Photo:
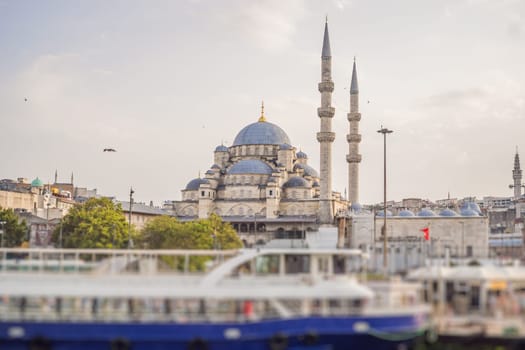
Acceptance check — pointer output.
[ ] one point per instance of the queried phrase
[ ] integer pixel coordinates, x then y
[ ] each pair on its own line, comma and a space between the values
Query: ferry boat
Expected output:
248, 299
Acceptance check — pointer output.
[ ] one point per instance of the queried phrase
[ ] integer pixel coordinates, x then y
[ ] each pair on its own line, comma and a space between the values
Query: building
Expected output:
264, 185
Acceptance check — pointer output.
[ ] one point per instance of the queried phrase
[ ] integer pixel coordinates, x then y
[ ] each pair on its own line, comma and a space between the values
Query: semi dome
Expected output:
426, 212
316, 184
250, 166
285, 147
37, 183
221, 148
301, 155
195, 184
468, 212
447, 212
210, 172
296, 181
261, 133
406, 213
471, 206
308, 170
216, 166
380, 213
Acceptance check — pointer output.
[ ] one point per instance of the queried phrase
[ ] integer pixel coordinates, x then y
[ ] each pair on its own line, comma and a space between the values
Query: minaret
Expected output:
354, 138
71, 177
56, 176
516, 175
326, 136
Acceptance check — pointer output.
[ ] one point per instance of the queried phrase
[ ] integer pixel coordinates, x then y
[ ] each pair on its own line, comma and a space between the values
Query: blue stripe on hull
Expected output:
334, 332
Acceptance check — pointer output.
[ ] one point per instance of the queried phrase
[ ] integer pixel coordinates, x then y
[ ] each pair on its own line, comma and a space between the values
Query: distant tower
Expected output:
354, 138
516, 175
326, 136
71, 177
56, 176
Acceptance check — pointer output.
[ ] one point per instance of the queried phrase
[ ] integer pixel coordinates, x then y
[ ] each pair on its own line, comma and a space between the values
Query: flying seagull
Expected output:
109, 150
25, 99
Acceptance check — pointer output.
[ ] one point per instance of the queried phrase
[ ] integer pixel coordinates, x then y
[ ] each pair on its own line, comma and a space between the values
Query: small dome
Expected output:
250, 166
195, 184
296, 181
471, 206
380, 213
216, 166
301, 155
261, 133
37, 183
468, 212
308, 170
426, 212
316, 184
210, 172
285, 147
447, 212
405, 213
356, 207
221, 148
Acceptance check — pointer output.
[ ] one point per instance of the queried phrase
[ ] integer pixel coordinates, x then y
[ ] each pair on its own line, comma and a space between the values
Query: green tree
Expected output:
166, 232
97, 223
14, 232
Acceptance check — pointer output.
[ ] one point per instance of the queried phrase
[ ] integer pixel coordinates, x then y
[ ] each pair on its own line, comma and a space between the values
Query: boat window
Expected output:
339, 264
297, 264
267, 264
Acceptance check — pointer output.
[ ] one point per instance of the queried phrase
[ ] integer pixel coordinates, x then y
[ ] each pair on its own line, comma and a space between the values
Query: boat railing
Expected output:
169, 310
111, 260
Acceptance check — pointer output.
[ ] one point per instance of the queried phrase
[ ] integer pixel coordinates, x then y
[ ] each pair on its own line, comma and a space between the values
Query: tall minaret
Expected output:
326, 136
516, 175
354, 138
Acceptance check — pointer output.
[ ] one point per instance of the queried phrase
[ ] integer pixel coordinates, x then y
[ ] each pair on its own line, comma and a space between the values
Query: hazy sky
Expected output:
165, 82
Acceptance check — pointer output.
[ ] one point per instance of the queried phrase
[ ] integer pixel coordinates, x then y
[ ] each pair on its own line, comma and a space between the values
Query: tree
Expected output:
97, 223
166, 232
14, 232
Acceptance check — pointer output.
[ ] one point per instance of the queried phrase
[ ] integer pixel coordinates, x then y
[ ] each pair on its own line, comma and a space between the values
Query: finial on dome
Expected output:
262, 118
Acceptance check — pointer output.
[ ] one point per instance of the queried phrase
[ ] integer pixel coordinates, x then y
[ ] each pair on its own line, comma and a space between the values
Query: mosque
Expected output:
264, 186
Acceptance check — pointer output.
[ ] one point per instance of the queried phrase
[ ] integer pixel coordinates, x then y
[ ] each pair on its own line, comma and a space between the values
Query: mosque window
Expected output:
242, 194
305, 194
251, 179
242, 179
294, 194
271, 193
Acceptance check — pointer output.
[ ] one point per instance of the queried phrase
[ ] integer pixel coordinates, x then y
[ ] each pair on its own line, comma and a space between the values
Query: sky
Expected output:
165, 82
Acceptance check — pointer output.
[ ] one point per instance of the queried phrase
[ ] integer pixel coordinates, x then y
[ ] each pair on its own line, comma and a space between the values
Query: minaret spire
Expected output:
354, 138
516, 176
56, 176
326, 136
262, 118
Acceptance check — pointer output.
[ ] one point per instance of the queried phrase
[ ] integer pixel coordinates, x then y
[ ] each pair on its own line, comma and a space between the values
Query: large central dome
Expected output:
261, 133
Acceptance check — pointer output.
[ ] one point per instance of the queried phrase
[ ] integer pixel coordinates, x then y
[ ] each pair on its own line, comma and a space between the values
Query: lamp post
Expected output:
384, 131
2, 233
130, 241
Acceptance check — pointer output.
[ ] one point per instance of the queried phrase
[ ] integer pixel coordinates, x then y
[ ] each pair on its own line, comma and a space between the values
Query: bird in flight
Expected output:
25, 99
109, 150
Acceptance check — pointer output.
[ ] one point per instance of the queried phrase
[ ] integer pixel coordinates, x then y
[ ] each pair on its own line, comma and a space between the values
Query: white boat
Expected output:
247, 299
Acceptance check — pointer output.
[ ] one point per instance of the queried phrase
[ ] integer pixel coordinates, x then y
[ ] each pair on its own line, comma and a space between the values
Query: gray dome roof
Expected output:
210, 172
447, 212
471, 206
285, 146
426, 212
308, 170
316, 184
468, 212
301, 154
356, 207
405, 213
261, 133
380, 213
216, 166
250, 166
296, 181
195, 184
221, 148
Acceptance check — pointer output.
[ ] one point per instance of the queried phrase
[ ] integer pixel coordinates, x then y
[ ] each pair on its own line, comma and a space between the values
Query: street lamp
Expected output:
384, 131
2, 233
130, 241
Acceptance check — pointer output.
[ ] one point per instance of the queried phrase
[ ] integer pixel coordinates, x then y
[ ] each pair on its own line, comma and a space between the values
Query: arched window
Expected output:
241, 211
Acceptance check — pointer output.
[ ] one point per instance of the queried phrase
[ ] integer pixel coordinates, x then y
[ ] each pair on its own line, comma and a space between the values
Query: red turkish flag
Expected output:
426, 231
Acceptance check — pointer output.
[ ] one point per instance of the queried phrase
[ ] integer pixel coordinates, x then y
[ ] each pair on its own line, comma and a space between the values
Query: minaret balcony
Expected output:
353, 138
353, 117
326, 86
353, 158
326, 136
326, 112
